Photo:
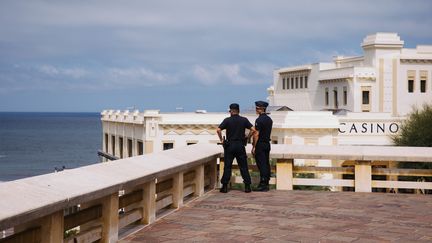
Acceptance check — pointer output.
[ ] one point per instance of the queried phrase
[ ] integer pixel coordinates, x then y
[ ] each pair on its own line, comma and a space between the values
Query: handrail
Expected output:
28, 204
107, 155
29, 198
385, 153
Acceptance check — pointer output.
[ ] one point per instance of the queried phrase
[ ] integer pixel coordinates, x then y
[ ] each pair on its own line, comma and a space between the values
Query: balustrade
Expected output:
103, 201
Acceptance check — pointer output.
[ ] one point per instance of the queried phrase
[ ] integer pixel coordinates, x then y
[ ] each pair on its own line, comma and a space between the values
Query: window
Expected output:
423, 86
306, 82
167, 146
345, 95
365, 97
411, 76
410, 86
283, 83
106, 142
292, 83
121, 147
129, 146
287, 83
335, 98
113, 145
191, 143
326, 96
296, 83
423, 81
301, 82
140, 148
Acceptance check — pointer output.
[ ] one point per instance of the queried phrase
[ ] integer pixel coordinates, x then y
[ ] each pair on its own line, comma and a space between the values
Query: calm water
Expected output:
36, 143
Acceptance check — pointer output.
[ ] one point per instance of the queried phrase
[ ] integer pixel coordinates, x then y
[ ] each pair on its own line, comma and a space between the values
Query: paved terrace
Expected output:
295, 216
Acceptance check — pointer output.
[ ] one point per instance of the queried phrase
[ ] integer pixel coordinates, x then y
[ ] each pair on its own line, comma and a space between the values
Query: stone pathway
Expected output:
295, 216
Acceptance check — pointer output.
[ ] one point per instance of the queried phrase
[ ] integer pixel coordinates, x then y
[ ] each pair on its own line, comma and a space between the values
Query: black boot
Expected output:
263, 186
260, 185
248, 188
224, 188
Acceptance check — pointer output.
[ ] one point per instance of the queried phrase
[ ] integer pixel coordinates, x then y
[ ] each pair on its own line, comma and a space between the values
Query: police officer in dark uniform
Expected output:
261, 144
234, 146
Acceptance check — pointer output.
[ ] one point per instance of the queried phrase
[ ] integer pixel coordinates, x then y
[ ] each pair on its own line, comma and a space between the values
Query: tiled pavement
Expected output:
295, 216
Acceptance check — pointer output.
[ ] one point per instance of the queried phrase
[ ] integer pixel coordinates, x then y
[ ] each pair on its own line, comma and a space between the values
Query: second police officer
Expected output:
261, 144
234, 146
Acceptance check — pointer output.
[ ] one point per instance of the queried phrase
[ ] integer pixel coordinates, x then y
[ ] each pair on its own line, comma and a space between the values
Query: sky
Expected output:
87, 56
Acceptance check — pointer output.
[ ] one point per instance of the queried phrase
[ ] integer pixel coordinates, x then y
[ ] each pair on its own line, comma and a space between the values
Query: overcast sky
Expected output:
196, 54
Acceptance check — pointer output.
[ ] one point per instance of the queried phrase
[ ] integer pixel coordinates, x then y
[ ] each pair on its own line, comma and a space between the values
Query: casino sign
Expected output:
369, 127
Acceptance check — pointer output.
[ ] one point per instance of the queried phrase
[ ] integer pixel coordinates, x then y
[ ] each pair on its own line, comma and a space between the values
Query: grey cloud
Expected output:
130, 77
103, 44
54, 78
66, 72
237, 74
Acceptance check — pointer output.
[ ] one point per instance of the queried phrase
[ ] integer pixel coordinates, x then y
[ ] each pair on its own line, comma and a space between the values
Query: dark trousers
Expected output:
262, 157
235, 150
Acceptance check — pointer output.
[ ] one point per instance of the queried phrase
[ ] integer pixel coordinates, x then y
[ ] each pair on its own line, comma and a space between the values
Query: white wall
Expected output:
407, 100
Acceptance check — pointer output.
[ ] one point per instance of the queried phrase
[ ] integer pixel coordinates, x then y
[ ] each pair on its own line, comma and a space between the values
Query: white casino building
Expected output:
386, 79
351, 101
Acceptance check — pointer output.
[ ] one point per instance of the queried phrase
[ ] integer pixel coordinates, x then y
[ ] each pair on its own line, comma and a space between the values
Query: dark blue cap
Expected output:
262, 104
234, 106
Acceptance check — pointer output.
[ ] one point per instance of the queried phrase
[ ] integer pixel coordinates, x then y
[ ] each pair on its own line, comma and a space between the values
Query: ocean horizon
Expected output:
36, 143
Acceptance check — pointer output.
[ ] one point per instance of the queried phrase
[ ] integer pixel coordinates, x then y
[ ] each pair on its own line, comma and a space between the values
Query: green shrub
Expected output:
416, 131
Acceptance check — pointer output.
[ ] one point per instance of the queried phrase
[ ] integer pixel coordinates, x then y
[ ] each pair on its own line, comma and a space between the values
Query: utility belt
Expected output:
261, 141
231, 141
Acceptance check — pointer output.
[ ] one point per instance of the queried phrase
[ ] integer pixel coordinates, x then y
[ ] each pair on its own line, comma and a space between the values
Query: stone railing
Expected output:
360, 163
347, 72
126, 116
100, 202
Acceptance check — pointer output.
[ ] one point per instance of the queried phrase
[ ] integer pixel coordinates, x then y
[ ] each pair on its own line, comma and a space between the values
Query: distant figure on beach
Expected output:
59, 169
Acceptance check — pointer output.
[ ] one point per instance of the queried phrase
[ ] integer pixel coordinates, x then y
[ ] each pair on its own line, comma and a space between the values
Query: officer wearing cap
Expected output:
261, 144
234, 146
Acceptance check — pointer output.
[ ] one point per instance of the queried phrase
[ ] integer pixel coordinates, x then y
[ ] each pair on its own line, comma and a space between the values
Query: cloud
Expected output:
237, 74
139, 77
55, 78
75, 73
197, 29
89, 46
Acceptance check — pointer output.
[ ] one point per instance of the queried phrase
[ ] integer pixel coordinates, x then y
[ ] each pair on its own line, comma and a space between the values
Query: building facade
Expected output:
386, 79
351, 101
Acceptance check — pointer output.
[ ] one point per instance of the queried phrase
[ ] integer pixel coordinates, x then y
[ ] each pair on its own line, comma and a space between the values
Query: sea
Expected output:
35, 143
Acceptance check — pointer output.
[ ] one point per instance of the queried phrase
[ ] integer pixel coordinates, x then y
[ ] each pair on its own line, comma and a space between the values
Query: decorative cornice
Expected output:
193, 129
335, 80
419, 61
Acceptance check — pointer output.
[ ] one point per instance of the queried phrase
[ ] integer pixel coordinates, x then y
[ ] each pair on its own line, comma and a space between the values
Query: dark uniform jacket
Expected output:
264, 125
235, 126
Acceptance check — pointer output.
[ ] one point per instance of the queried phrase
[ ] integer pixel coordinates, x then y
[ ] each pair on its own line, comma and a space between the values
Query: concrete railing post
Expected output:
363, 176
392, 165
52, 228
110, 218
178, 190
213, 174
199, 181
221, 170
284, 174
149, 202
